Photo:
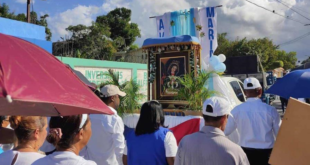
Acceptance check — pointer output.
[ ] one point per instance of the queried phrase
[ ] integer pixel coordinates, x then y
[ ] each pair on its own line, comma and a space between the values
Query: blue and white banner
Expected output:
163, 25
208, 34
199, 22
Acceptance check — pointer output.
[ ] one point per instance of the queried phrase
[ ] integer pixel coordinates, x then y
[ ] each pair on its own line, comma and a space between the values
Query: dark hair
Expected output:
24, 126
106, 99
69, 126
151, 118
210, 119
2, 118
253, 92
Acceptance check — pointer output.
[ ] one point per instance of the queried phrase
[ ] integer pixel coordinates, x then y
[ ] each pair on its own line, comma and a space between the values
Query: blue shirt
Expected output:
147, 148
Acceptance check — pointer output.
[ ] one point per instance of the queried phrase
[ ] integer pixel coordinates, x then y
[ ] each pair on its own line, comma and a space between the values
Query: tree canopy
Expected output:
110, 33
269, 53
5, 13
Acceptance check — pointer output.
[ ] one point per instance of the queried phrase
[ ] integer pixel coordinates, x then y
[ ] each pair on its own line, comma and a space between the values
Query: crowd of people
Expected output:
99, 139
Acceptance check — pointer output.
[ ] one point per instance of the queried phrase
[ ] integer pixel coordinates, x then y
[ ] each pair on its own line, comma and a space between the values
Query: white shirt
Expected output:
302, 100
107, 143
257, 123
23, 158
170, 143
63, 158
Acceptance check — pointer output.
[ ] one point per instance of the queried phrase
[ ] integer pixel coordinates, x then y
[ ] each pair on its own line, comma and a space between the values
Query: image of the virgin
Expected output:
172, 72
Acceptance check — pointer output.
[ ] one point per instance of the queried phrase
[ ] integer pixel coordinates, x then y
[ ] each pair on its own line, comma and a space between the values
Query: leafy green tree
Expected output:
110, 33
134, 47
93, 41
277, 64
5, 13
223, 44
121, 28
289, 59
129, 103
264, 48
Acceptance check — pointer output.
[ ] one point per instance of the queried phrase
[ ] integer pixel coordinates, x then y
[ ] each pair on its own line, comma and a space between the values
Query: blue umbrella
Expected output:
295, 84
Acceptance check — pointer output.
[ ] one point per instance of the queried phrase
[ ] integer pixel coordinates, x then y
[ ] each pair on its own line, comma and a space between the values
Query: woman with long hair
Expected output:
151, 143
31, 133
69, 134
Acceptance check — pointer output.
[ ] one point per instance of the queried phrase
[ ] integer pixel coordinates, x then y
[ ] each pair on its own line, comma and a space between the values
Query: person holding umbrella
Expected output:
258, 124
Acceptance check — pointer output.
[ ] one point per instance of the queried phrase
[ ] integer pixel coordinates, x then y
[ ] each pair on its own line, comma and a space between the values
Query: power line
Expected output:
300, 9
292, 9
296, 39
274, 12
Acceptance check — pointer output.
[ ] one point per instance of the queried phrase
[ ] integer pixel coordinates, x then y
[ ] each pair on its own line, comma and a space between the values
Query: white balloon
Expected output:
222, 57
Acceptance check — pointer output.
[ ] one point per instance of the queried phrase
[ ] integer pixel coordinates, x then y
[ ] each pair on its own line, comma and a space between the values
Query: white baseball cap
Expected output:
111, 90
220, 107
251, 83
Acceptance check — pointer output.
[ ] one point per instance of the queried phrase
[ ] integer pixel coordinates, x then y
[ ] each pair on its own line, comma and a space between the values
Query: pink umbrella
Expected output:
34, 82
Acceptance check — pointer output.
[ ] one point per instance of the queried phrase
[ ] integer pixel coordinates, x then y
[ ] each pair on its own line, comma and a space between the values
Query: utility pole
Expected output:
28, 11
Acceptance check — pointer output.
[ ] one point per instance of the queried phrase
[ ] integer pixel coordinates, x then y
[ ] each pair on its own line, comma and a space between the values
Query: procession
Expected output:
145, 83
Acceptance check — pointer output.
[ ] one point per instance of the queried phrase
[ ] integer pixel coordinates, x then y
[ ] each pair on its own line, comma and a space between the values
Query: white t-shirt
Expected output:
107, 142
170, 142
23, 158
63, 158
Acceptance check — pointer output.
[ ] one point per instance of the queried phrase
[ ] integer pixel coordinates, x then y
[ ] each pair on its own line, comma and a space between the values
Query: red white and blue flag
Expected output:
179, 125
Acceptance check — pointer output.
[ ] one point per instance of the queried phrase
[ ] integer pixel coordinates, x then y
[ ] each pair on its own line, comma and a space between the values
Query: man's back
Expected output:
106, 144
257, 123
209, 147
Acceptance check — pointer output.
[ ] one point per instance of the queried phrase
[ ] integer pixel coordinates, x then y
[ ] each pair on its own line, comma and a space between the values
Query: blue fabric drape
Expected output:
183, 23
192, 23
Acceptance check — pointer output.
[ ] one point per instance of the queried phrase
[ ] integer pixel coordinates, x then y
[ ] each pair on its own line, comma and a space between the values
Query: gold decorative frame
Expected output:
169, 100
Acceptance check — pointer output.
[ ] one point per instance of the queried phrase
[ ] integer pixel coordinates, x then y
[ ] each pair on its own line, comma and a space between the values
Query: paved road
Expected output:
277, 104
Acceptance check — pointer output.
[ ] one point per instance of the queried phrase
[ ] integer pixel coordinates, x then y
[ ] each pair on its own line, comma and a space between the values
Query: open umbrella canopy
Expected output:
34, 82
295, 84
82, 78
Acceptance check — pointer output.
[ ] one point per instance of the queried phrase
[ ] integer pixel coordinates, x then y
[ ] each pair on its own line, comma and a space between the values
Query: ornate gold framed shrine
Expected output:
168, 60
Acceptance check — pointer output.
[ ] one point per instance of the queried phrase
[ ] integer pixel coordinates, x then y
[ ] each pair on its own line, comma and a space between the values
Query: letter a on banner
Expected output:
163, 25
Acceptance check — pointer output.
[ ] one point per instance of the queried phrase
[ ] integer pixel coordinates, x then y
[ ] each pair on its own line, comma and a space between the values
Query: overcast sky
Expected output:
238, 18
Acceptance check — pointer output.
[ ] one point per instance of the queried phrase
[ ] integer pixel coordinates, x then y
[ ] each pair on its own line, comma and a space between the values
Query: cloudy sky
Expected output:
238, 18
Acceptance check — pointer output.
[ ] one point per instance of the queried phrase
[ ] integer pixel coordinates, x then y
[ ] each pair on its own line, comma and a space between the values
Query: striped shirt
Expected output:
209, 147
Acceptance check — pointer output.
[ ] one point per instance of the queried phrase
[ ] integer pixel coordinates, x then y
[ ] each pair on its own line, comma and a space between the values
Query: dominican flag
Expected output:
179, 125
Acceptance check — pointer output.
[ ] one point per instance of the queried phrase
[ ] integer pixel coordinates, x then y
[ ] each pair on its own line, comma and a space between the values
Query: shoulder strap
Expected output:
14, 159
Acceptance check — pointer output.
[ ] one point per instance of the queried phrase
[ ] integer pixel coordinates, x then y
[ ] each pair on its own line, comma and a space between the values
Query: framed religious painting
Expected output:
171, 67
169, 59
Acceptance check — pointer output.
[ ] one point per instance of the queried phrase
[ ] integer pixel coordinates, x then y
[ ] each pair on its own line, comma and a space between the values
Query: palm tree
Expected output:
129, 103
194, 89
